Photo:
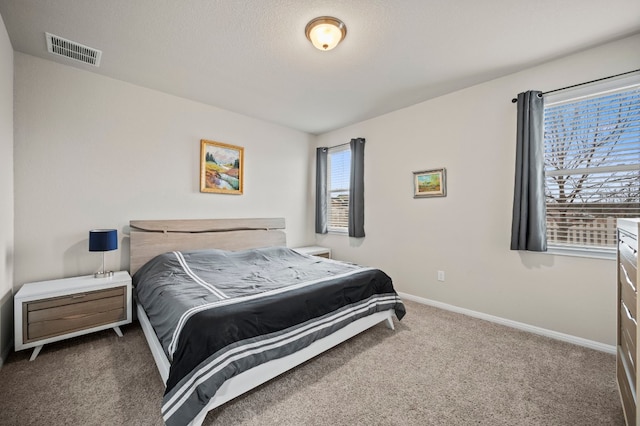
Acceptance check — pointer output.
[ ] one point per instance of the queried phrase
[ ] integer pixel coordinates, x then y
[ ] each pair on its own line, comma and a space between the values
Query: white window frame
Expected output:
572, 95
343, 230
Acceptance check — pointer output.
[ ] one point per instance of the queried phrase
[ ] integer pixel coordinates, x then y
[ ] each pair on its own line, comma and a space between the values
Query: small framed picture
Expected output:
221, 167
430, 183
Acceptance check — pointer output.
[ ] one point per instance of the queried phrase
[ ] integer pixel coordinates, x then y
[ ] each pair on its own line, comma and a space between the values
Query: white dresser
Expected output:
628, 309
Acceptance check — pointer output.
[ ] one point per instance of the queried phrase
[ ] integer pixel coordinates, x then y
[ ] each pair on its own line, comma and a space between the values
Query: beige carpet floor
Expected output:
436, 368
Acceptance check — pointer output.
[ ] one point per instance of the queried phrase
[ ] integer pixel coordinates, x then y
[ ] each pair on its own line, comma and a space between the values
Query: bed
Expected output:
225, 306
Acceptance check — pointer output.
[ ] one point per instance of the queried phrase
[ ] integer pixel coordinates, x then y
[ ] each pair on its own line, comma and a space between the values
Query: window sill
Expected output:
593, 253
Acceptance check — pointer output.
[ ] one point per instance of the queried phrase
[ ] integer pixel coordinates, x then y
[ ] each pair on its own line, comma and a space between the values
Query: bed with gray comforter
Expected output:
218, 313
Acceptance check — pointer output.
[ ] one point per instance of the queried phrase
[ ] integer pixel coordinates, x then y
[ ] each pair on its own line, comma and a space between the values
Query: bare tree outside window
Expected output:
592, 167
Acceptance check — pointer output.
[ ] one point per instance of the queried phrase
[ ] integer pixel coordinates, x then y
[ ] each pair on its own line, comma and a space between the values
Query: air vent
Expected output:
72, 50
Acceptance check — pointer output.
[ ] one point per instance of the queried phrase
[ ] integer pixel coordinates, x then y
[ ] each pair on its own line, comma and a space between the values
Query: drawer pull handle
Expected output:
73, 317
626, 311
626, 277
78, 296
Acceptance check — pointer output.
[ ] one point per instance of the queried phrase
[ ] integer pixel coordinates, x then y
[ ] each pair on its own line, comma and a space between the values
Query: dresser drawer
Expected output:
628, 265
627, 238
628, 292
626, 395
56, 316
628, 328
627, 349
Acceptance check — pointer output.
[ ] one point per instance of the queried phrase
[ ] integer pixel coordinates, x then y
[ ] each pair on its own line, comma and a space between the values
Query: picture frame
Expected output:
221, 167
430, 183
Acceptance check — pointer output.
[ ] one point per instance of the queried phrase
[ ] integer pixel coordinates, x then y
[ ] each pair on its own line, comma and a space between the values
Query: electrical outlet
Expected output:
440, 275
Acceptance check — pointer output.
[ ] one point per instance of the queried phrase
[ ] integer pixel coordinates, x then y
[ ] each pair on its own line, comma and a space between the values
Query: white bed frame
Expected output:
150, 238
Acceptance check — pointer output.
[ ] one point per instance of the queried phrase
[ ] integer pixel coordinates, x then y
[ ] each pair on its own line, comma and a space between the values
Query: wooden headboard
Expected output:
150, 238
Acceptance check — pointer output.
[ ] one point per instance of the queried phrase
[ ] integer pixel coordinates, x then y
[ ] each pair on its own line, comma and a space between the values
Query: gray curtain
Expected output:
321, 191
528, 227
356, 189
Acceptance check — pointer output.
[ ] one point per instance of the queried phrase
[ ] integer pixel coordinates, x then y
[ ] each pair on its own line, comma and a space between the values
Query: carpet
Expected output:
436, 368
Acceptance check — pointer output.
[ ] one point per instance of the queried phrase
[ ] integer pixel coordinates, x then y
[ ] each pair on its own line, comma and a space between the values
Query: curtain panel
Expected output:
321, 191
356, 189
529, 228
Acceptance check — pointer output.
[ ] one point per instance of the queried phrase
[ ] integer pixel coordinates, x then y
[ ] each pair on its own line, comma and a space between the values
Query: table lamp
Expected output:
103, 240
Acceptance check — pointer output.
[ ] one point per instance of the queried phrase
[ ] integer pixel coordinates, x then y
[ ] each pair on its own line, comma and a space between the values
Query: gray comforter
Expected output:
218, 313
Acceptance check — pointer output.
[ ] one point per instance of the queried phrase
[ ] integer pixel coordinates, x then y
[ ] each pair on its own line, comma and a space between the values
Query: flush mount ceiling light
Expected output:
325, 32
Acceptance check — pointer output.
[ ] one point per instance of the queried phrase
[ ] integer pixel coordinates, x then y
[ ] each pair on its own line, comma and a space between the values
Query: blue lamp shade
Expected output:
103, 240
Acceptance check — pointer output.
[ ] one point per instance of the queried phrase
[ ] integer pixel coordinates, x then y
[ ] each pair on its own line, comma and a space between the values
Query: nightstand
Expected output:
49, 311
314, 251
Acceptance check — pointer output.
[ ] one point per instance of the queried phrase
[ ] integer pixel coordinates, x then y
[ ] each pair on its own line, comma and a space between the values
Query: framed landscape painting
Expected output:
430, 183
221, 167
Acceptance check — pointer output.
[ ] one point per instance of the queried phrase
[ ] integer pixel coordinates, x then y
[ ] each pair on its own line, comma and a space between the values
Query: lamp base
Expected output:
103, 274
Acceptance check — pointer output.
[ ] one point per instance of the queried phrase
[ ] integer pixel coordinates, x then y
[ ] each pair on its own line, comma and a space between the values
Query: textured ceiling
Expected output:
252, 56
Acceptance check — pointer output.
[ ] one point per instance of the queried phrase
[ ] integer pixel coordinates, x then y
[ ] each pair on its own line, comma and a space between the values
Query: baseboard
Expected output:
514, 324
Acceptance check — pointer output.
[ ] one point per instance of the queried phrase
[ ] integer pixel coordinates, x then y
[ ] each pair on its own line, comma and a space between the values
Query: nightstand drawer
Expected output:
73, 299
62, 315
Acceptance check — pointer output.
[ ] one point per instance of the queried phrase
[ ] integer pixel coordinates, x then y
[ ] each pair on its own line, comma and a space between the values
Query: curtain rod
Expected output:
342, 144
335, 146
514, 100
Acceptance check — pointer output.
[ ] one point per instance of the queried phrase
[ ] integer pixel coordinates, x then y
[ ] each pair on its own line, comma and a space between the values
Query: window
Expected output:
338, 176
340, 189
592, 163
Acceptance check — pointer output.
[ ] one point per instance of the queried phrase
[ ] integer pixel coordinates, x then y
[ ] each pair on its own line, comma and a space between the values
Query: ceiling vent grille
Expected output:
72, 50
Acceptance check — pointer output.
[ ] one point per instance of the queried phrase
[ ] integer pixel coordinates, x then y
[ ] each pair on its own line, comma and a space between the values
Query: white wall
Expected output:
467, 234
94, 152
6, 192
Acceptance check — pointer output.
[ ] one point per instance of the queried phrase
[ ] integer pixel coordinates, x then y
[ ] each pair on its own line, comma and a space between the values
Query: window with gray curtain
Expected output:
340, 189
577, 166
